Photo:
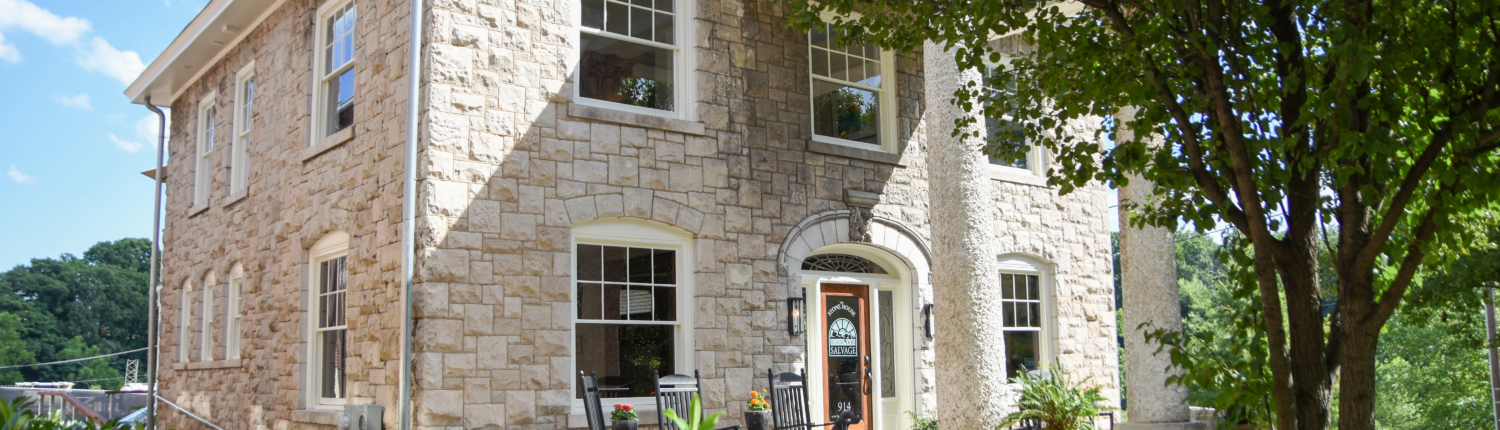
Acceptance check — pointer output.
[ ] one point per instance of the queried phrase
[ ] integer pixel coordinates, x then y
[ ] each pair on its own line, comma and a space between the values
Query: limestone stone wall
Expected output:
510, 163
293, 199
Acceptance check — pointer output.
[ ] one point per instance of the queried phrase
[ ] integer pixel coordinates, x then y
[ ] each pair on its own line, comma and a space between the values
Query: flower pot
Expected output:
625, 425
757, 420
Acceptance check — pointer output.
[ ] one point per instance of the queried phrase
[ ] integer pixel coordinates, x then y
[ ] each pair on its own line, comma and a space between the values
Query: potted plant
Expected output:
624, 417
694, 420
1050, 401
757, 412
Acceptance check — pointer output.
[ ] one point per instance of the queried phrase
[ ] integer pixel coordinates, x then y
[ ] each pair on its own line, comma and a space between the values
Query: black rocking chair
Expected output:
676, 392
592, 408
789, 406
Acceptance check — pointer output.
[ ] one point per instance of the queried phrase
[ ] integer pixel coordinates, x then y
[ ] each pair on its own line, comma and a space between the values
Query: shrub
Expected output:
1058, 405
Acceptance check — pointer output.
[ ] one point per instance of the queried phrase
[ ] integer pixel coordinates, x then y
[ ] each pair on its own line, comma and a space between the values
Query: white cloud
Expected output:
126, 145
35, 20
146, 129
100, 57
8, 52
78, 101
20, 178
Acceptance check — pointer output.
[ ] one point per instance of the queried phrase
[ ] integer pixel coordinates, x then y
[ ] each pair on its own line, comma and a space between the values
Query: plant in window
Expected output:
646, 92
1049, 401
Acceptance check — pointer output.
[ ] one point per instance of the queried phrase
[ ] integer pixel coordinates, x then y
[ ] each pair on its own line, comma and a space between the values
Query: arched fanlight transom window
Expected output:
842, 263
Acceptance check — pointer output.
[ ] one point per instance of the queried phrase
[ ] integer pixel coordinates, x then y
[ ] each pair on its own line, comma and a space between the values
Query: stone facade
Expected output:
508, 165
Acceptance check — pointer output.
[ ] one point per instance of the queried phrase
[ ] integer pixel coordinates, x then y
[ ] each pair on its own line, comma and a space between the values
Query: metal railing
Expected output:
49, 402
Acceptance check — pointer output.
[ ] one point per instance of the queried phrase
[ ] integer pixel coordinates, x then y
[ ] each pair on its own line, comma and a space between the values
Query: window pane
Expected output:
635, 303
614, 263
856, 69
333, 364
341, 101
593, 14
666, 266
209, 129
1032, 287
616, 18
1007, 287
664, 28
625, 356
666, 304
837, 66
249, 105
640, 22
590, 263
624, 72
664, 5
1021, 352
820, 62
817, 37
614, 302
845, 112
1036, 315
887, 344
590, 301
640, 265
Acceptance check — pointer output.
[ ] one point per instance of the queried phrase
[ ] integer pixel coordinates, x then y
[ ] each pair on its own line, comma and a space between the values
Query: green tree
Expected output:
96, 373
12, 349
100, 298
1375, 118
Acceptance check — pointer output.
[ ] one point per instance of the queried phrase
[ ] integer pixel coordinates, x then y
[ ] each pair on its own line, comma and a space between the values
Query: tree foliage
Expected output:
98, 300
1374, 118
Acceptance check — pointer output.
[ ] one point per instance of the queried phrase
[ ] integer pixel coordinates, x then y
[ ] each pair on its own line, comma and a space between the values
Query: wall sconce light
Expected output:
927, 320
794, 315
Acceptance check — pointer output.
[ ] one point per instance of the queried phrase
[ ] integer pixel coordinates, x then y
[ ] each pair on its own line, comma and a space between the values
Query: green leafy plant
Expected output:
695, 419
1059, 405
14, 415
919, 422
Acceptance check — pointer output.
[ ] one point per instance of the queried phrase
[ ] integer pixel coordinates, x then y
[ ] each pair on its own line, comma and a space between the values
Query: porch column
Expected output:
966, 282
1148, 278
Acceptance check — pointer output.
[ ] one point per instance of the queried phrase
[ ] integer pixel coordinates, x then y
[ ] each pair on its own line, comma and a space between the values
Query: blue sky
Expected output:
71, 145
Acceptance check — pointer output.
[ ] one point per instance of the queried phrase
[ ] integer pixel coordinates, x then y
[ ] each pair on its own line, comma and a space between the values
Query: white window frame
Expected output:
887, 99
332, 246
239, 151
233, 312
1036, 155
645, 234
1046, 334
319, 130
684, 75
202, 180
184, 321
206, 343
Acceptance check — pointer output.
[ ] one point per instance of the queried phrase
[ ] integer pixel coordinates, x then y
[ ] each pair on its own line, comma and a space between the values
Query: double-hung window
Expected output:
852, 102
330, 338
239, 147
333, 108
1007, 143
633, 307
630, 54
1021, 313
232, 308
204, 149
207, 330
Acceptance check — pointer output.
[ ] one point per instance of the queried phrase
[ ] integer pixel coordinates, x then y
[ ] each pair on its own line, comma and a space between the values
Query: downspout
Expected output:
408, 212
161, 149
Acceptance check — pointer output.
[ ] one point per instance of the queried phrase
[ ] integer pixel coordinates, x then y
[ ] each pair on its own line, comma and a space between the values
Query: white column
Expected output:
966, 291
1148, 278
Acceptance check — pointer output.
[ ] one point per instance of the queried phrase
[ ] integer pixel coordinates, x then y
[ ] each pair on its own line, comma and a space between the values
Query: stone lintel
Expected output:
861, 198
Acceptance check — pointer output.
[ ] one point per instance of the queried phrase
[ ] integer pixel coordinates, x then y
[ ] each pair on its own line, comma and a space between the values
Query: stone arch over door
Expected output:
896, 240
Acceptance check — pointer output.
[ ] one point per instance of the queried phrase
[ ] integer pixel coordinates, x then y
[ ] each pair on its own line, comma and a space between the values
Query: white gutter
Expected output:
408, 213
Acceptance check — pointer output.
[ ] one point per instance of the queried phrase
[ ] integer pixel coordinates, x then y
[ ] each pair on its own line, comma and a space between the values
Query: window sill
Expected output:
1015, 175
596, 113
873, 155
330, 142
203, 365
235, 198
197, 209
316, 416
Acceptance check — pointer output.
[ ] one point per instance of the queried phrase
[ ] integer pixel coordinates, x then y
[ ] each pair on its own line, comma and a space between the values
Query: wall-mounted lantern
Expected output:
794, 315
927, 320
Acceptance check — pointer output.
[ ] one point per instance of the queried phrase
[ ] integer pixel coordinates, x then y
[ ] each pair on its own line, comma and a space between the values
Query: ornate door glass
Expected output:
887, 344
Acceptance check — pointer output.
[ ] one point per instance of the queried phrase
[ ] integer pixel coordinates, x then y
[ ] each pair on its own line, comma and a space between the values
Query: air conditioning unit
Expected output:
361, 417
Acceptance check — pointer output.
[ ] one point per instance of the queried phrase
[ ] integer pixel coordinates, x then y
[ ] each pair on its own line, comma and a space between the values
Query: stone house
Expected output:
620, 187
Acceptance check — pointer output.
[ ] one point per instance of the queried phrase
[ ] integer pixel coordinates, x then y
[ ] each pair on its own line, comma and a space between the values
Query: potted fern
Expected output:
694, 419
757, 412
1050, 400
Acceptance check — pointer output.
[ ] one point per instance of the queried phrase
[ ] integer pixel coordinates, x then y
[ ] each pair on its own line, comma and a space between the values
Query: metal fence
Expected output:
108, 404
